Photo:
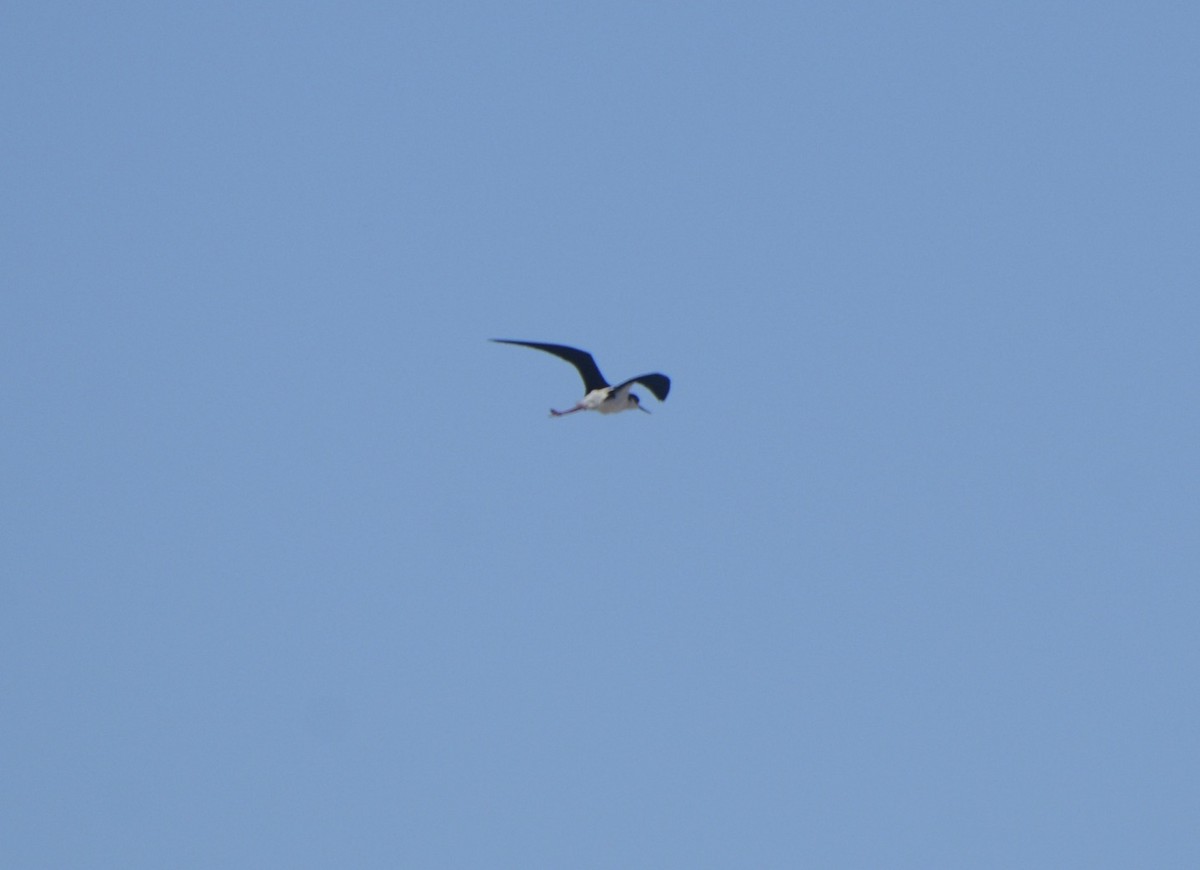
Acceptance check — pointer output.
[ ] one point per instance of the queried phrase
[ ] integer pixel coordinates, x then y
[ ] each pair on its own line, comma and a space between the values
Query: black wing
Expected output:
581, 359
658, 384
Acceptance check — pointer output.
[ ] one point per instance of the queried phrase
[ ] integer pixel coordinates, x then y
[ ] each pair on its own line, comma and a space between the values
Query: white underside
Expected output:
607, 402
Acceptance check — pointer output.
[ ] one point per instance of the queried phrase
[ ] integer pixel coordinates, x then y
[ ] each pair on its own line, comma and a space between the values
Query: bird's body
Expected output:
608, 400
599, 395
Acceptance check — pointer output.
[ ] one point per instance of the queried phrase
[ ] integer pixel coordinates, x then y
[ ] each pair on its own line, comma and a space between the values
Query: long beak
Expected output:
643, 408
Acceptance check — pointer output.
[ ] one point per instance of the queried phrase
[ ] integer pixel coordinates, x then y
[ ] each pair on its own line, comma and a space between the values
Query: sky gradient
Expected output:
297, 571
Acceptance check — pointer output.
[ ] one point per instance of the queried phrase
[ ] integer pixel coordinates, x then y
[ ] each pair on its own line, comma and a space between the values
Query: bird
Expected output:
599, 395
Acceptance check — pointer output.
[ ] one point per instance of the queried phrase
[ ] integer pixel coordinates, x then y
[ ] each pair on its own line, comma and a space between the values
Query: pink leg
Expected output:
554, 413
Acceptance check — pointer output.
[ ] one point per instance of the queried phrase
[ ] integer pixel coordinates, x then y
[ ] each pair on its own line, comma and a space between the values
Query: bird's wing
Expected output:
658, 384
581, 359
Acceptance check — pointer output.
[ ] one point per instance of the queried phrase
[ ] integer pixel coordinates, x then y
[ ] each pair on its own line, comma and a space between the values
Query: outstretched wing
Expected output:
581, 359
658, 384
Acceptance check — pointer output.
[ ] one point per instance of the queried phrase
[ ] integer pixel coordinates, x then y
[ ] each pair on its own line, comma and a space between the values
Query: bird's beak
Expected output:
643, 408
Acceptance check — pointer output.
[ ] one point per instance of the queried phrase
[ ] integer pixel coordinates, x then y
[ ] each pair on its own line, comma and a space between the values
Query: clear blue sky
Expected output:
297, 572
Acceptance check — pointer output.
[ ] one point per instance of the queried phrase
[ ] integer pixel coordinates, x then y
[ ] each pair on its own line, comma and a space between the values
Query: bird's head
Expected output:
636, 402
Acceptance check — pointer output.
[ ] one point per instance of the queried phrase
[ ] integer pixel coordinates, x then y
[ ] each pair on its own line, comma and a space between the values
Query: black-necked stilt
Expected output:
599, 396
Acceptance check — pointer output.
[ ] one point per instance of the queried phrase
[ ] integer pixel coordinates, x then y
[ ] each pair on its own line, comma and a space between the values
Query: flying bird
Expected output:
598, 394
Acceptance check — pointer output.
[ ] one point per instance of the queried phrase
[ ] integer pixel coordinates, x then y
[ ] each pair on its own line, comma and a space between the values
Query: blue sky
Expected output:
298, 572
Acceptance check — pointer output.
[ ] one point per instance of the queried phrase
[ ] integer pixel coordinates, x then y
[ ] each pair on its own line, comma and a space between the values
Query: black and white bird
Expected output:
598, 394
